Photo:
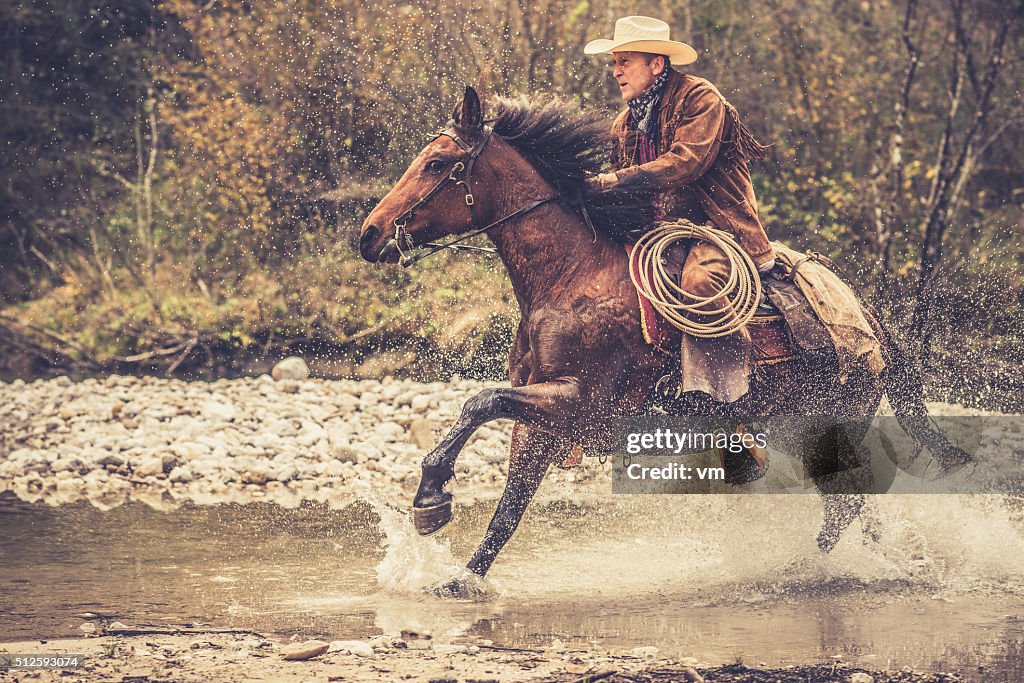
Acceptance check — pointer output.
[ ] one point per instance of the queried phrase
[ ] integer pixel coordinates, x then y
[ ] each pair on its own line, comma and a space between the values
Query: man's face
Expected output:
633, 72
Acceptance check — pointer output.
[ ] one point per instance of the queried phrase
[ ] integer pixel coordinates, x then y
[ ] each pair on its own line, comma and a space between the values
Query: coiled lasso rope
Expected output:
715, 316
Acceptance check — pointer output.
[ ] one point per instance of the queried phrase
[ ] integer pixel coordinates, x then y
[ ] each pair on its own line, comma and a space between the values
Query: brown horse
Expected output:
579, 357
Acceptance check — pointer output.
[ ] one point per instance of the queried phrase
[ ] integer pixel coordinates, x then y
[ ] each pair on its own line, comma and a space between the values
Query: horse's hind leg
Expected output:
547, 405
840, 464
840, 511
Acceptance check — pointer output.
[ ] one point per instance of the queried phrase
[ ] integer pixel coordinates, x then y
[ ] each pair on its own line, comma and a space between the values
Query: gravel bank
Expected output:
165, 441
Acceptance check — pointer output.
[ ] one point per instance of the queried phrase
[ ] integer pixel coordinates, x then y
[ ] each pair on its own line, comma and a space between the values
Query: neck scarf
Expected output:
645, 105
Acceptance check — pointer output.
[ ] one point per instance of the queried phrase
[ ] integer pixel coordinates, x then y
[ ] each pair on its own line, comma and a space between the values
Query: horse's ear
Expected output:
469, 114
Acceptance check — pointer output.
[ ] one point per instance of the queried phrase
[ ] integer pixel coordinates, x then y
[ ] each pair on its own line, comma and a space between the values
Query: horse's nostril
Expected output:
366, 240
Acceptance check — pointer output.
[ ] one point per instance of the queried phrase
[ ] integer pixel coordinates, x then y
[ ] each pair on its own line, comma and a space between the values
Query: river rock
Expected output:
389, 431
293, 368
149, 466
644, 652
305, 650
181, 475
422, 432
861, 677
692, 675
353, 647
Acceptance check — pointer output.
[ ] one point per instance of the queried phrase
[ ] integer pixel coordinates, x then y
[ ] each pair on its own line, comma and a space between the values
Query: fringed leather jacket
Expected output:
701, 171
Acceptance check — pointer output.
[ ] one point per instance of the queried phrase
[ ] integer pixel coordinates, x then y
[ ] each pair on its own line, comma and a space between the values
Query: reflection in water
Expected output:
929, 585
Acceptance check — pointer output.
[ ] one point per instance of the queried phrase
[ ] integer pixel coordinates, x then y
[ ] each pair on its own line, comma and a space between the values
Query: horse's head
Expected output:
435, 196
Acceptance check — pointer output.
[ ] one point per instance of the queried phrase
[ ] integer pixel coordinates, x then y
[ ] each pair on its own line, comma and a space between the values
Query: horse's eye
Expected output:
435, 166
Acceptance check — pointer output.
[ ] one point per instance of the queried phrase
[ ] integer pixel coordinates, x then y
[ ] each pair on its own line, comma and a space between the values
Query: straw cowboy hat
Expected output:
643, 34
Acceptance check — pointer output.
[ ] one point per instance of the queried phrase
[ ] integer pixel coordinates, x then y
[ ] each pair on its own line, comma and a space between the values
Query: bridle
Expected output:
403, 240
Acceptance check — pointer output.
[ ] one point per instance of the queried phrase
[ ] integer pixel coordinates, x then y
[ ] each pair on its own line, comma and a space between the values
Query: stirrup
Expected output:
669, 386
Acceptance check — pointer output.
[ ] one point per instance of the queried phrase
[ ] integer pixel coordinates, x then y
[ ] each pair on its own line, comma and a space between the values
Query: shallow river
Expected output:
930, 582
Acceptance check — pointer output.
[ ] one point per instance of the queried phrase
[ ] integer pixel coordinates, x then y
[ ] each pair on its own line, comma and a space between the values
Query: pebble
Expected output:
304, 650
353, 647
293, 368
861, 677
422, 432
180, 475
149, 467
644, 652
290, 386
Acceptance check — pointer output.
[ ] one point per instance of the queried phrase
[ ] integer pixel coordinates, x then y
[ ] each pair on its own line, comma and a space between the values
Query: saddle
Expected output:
784, 328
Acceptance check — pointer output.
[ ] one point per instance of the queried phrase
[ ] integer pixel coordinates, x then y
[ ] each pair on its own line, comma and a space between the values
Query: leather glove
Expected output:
602, 182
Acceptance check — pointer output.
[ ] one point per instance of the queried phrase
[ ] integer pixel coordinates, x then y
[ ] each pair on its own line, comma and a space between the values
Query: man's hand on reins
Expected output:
602, 182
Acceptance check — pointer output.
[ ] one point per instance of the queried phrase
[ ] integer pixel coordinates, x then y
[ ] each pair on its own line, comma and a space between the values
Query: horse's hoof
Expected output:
827, 540
429, 520
458, 589
744, 467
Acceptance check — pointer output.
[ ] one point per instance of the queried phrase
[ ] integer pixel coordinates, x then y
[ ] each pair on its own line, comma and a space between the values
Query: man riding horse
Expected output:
579, 358
681, 139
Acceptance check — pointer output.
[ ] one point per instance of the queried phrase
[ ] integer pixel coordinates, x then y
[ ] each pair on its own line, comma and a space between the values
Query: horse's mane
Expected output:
566, 145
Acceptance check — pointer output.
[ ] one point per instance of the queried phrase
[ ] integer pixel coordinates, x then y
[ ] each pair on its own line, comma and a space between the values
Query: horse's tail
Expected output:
905, 389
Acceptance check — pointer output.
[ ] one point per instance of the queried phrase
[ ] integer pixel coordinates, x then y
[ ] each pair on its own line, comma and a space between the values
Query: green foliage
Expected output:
193, 166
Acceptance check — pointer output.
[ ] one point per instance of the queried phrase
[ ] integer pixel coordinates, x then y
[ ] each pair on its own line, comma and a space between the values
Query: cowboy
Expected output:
680, 138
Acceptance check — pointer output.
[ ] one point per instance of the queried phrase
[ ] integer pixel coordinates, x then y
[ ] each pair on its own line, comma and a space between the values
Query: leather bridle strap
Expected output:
454, 244
403, 240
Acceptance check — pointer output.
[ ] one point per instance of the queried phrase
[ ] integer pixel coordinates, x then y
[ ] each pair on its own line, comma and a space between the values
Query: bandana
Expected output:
644, 105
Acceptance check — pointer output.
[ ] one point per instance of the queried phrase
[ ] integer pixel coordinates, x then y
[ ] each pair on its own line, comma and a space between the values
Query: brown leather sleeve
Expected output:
615, 158
694, 148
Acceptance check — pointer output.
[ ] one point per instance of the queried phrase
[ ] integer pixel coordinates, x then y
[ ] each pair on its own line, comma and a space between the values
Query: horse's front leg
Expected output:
530, 455
548, 405
529, 458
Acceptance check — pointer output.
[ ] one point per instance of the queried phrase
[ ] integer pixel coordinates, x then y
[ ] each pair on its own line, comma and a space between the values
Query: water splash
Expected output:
416, 564
726, 549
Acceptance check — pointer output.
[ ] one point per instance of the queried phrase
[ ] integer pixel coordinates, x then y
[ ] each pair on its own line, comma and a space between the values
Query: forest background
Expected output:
182, 182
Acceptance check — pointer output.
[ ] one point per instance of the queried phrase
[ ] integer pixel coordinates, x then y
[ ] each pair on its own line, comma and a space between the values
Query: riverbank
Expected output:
227, 658
165, 442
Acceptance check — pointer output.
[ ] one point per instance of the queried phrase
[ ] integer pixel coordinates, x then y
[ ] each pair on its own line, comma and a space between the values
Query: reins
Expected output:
403, 240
